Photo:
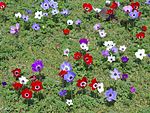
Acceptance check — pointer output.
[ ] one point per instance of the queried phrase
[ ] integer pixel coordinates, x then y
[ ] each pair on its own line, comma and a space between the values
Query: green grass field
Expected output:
49, 43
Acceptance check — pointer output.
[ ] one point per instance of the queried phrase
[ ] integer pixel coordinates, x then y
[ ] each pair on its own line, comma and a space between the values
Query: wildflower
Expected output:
2, 5
62, 93
69, 22
25, 18
82, 83
110, 12
147, 2
144, 28
135, 5
66, 66
97, 10
140, 35
69, 102
33, 78
140, 54
69, 77
124, 76
124, 59
114, 49
127, 9
87, 7
23, 80
38, 15
45, 5
134, 14
115, 74
109, 44
78, 22
26, 93
111, 59
37, 66
45, 14
4, 84
132, 89
62, 73
18, 15
55, 11
110, 95
77, 56
65, 12
36, 27
84, 44
36, 85
107, 2
88, 59
15, 29
105, 53
66, 52
97, 26
93, 84
114, 5
100, 87
53, 4
66, 31
122, 48
17, 85
28, 11
16, 72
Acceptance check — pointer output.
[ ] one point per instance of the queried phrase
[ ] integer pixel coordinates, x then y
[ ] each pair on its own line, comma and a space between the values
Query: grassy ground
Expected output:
48, 44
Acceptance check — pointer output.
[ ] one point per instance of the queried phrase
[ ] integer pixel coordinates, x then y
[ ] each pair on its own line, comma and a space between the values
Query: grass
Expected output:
48, 44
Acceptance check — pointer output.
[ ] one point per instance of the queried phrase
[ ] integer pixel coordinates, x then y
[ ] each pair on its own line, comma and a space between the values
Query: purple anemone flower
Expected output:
78, 22
4, 84
110, 95
28, 11
53, 4
15, 29
147, 2
36, 26
69, 77
124, 76
127, 9
65, 12
62, 93
114, 49
66, 66
105, 53
132, 89
83, 40
134, 14
37, 66
45, 5
115, 74
148, 55
97, 26
25, 18
124, 59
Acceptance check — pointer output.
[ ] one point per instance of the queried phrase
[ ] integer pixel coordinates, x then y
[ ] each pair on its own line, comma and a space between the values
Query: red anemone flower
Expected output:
87, 7
88, 59
17, 85
77, 56
26, 93
2, 5
62, 73
16, 72
93, 84
140, 35
114, 5
110, 12
135, 5
82, 83
36, 85
144, 28
66, 31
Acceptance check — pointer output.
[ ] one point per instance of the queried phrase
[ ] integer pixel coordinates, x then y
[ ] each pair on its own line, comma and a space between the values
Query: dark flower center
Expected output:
110, 95
37, 87
140, 54
115, 74
27, 95
22, 81
71, 77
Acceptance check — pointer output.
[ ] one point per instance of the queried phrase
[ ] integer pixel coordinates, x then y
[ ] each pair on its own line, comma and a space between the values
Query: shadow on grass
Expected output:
29, 102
